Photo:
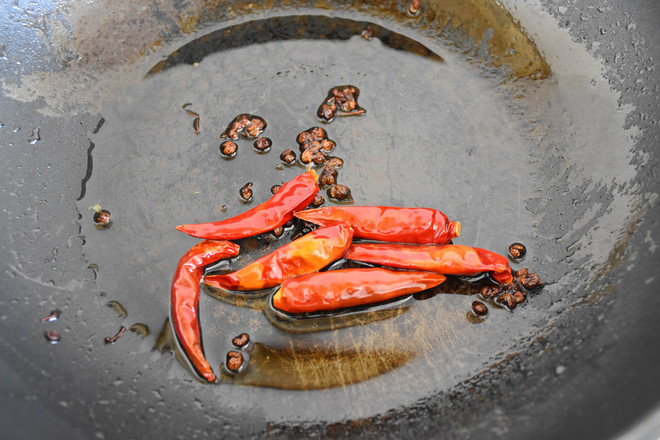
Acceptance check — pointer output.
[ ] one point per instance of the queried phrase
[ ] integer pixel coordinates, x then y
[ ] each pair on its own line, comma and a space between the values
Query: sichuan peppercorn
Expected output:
228, 149
262, 144
241, 340
529, 281
335, 162
234, 361
328, 176
288, 156
517, 250
341, 193
479, 308
246, 192
318, 201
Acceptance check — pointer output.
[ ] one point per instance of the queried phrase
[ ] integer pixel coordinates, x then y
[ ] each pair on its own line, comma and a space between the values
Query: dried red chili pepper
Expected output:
388, 223
293, 196
447, 260
310, 253
185, 298
336, 289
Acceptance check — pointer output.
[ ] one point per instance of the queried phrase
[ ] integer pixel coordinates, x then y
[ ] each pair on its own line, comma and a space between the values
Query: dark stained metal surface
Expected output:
580, 360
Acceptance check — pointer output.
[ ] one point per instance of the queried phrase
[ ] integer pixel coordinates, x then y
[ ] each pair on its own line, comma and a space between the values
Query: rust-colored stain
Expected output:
452, 21
295, 369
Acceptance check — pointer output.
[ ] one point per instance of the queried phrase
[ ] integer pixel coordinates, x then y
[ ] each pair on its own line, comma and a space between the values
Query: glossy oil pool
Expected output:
439, 132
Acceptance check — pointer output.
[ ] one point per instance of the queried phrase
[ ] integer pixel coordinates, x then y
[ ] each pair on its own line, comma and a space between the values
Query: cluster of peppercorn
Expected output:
250, 126
237, 360
314, 147
341, 101
511, 294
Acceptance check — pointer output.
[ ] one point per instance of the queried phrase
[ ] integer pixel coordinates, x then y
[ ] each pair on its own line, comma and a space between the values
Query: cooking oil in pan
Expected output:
438, 132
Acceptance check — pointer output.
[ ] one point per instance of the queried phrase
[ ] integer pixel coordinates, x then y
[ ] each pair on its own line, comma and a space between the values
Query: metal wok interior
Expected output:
529, 121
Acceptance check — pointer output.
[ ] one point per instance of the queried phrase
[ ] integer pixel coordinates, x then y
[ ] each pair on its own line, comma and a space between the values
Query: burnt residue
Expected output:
118, 308
311, 27
90, 162
140, 329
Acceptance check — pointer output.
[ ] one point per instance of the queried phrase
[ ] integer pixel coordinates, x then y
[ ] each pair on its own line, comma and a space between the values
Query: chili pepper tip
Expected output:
313, 173
210, 377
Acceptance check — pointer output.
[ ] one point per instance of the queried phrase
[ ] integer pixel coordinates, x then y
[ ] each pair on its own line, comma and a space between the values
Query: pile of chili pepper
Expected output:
414, 253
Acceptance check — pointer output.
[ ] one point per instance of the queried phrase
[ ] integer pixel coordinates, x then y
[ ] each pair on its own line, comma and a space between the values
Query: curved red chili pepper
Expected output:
293, 196
310, 253
388, 223
448, 259
185, 298
336, 289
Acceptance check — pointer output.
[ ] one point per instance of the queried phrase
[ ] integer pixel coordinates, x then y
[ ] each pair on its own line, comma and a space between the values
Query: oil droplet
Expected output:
94, 269
473, 318
114, 305
139, 329
34, 137
165, 341
315, 369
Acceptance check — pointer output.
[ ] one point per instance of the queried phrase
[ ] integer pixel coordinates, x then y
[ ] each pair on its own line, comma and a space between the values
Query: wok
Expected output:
546, 135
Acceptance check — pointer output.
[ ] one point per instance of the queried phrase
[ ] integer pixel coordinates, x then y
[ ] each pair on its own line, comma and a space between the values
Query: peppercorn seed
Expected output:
228, 149
241, 340
246, 192
262, 144
234, 361
517, 250
318, 201
479, 308
288, 156
341, 193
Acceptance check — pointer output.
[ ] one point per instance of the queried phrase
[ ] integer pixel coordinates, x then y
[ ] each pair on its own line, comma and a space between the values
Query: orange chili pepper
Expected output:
185, 298
336, 289
310, 253
388, 223
293, 196
448, 259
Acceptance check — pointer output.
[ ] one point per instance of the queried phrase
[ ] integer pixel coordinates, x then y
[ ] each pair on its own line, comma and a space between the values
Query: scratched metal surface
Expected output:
513, 162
